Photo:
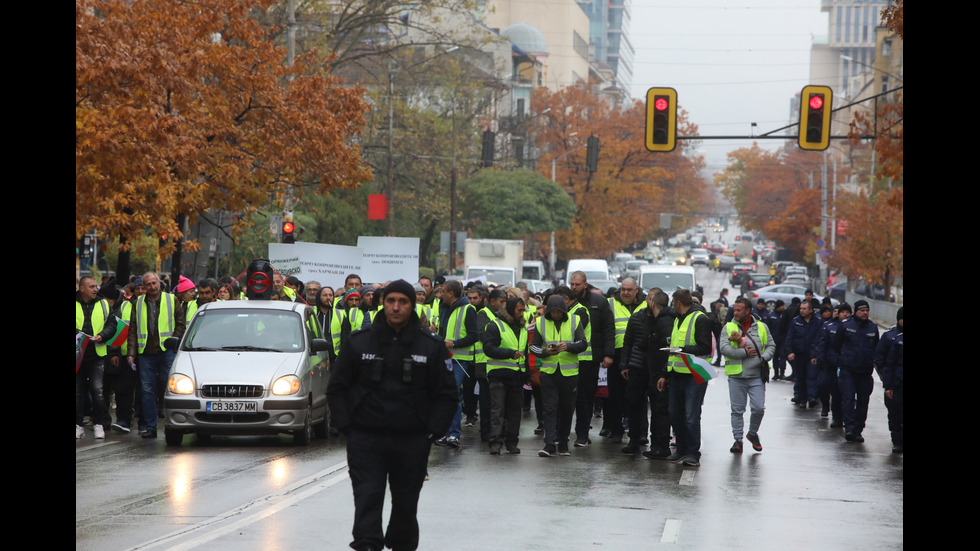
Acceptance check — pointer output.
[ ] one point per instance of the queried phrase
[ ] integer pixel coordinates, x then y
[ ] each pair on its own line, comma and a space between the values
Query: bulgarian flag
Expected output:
122, 333
700, 368
81, 341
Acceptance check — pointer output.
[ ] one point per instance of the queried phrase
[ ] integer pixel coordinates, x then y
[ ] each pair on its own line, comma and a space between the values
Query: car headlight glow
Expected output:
180, 384
285, 386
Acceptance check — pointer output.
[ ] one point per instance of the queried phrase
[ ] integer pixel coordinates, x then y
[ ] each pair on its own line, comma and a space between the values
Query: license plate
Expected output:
232, 406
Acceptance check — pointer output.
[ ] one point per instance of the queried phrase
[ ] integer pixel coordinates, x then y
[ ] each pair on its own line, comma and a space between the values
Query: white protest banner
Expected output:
328, 264
389, 258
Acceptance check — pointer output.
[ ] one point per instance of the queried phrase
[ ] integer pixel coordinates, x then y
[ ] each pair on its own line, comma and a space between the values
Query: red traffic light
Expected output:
660, 104
816, 102
288, 227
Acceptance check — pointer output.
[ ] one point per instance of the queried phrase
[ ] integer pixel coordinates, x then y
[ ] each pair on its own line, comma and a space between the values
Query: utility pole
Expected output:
390, 191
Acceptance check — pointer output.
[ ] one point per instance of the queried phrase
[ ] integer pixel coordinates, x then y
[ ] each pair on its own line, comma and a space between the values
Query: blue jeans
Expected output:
684, 403
154, 370
742, 392
461, 368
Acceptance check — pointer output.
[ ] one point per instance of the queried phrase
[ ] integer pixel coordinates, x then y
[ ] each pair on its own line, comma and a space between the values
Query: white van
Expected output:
596, 269
532, 269
668, 278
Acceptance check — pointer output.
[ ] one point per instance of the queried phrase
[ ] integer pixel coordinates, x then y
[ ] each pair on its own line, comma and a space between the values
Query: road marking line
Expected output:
687, 477
94, 446
262, 508
672, 529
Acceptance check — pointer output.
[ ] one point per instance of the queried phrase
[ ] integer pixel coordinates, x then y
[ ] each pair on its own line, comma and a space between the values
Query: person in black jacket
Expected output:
603, 341
642, 363
854, 344
392, 393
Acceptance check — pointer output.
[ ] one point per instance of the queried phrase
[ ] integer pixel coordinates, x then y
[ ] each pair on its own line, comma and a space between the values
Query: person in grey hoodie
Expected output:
747, 350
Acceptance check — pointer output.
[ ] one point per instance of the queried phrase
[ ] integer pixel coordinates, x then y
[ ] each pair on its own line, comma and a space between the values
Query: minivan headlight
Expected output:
284, 386
180, 384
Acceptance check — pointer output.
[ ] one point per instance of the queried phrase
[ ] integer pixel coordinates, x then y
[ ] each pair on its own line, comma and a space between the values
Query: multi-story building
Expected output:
851, 36
609, 22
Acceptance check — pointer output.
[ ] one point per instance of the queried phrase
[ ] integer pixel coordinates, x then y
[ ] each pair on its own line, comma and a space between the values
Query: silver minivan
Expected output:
248, 367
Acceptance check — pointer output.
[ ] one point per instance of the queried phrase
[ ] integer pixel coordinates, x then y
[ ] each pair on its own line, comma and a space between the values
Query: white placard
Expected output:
389, 258
328, 264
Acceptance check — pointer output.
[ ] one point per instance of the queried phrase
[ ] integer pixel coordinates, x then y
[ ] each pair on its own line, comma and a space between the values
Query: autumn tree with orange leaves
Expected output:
620, 203
873, 242
183, 107
776, 192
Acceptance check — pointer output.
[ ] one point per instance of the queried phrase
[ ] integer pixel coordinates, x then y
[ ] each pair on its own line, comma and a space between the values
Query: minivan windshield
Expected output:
668, 281
245, 329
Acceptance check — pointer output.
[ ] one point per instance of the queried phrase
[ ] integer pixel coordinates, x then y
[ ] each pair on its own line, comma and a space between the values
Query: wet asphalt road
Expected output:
807, 489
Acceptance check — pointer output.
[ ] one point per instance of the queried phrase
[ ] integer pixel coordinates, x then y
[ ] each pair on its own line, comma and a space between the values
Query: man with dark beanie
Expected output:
392, 393
854, 344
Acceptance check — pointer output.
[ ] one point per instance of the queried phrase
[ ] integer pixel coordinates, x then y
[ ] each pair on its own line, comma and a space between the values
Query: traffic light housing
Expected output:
661, 123
288, 231
258, 280
592, 154
816, 105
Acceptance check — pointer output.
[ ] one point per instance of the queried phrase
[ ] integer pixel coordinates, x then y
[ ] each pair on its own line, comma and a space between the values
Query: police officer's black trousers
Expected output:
399, 461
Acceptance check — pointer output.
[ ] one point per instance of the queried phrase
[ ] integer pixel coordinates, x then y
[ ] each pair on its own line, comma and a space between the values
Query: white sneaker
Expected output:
79, 432
99, 431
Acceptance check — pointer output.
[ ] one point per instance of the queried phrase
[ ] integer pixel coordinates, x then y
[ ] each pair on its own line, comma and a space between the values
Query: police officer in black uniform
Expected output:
391, 392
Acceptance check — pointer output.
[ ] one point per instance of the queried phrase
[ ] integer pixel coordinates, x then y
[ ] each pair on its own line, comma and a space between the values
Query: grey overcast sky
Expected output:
732, 62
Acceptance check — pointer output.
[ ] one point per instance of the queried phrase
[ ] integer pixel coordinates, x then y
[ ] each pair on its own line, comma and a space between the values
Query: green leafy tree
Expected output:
504, 205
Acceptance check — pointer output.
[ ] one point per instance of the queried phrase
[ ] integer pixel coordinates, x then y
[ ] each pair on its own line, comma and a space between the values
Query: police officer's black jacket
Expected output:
401, 382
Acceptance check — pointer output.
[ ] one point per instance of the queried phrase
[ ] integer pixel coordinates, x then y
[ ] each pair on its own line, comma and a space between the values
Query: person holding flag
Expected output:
688, 371
120, 376
94, 320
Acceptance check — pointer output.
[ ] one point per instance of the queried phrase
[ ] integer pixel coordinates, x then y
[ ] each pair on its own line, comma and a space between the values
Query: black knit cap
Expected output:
403, 287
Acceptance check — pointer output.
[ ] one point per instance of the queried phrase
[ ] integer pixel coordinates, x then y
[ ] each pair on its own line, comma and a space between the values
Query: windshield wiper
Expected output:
200, 348
251, 348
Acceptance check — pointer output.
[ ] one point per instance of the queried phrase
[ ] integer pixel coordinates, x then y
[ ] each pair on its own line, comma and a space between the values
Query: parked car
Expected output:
838, 289
248, 368
798, 279
785, 293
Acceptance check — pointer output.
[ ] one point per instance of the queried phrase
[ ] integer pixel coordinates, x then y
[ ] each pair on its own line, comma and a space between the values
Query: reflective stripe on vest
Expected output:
587, 355
457, 328
337, 324
682, 336
511, 341
480, 356
733, 366
551, 334
163, 317
622, 314
98, 322
434, 320
191, 310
